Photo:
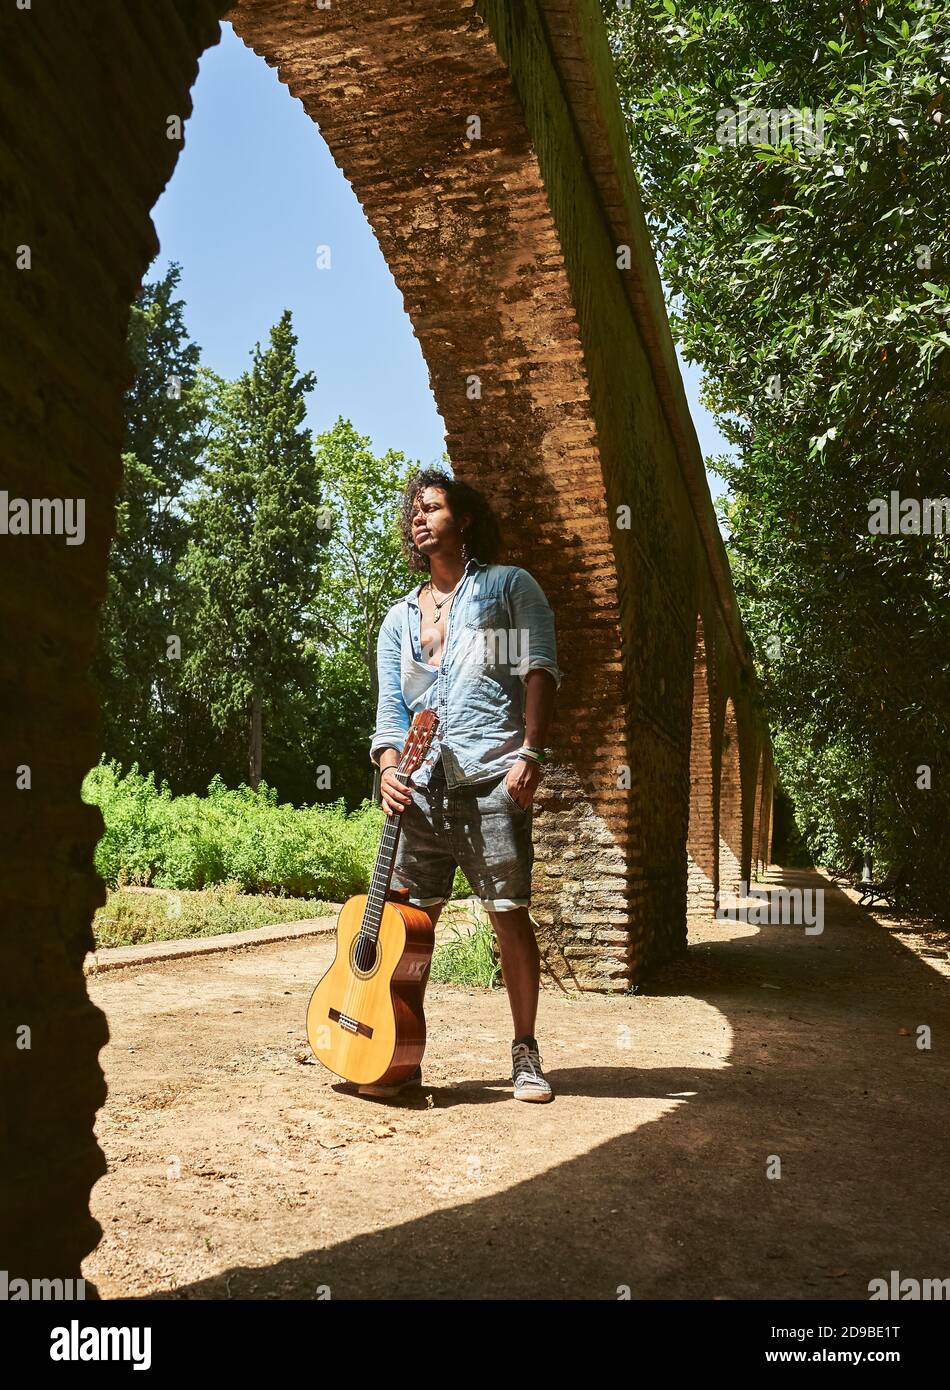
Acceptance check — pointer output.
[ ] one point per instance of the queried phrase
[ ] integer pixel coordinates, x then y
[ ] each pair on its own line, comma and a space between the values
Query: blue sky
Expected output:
253, 196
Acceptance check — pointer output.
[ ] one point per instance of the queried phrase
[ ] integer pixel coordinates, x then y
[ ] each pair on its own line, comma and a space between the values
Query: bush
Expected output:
235, 836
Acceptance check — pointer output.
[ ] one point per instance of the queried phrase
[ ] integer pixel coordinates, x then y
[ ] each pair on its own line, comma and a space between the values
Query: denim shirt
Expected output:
499, 627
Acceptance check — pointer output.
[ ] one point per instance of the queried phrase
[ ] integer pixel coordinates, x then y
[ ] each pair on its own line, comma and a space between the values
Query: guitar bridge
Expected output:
352, 1025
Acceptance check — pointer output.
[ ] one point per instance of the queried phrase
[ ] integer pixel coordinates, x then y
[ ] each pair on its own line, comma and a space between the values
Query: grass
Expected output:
133, 919
468, 959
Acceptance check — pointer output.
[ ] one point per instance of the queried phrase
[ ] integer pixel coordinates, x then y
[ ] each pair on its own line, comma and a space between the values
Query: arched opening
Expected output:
765, 817
701, 857
761, 816
285, 338
465, 222
502, 242
755, 860
730, 806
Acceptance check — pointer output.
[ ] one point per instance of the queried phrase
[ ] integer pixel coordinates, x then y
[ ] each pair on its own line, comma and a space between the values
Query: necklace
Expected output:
437, 606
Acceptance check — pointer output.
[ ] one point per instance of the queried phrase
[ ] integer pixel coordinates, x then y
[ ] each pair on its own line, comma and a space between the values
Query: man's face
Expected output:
434, 530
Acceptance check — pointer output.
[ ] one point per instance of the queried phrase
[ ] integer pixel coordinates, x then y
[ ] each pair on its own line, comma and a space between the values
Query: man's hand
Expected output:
522, 781
394, 795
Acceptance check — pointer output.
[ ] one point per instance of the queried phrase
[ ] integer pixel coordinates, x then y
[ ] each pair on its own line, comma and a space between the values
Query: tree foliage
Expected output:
367, 570
269, 557
808, 277
252, 568
165, 437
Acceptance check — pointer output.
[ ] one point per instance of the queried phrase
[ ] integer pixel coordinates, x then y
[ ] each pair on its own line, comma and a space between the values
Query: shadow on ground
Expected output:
825, 1078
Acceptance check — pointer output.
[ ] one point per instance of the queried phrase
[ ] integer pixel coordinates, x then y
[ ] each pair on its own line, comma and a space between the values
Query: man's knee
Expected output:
510, 919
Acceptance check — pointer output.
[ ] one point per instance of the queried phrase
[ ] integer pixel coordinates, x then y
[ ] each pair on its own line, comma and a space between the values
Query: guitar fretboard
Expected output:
383, 872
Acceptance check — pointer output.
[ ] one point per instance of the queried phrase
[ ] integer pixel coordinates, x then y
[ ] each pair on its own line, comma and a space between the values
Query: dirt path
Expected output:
238, 1170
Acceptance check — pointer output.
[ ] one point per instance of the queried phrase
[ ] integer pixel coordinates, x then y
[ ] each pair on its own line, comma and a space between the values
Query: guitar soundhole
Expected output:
364, 955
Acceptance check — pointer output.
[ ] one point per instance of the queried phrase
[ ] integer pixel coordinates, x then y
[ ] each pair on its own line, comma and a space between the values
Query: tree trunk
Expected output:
255, 744
370, 658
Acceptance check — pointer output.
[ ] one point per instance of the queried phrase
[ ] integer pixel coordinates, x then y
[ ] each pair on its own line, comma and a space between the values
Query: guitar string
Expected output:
355, 998
352, 1008
357, 988
414, 737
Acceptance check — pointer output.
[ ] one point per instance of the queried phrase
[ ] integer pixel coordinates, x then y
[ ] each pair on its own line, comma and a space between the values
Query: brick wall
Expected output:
85, 94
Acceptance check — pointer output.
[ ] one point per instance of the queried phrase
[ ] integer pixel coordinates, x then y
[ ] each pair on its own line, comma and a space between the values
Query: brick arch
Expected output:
506, 251
730, 818
701, 841
469, 231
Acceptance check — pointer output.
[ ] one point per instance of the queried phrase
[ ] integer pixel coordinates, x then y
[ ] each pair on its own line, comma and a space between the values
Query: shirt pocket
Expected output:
487, 612
489, 638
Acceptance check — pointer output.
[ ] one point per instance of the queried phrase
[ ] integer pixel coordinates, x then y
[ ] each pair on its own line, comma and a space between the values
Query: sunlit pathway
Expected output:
238, 1169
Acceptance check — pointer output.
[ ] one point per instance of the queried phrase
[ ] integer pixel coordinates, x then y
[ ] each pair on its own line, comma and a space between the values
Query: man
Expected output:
475, 642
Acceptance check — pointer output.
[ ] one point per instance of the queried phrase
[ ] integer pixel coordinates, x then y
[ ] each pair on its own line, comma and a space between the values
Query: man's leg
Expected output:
496, 855
521, 965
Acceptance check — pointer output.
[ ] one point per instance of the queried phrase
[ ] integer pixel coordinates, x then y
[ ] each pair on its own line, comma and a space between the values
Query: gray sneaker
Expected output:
530, 1083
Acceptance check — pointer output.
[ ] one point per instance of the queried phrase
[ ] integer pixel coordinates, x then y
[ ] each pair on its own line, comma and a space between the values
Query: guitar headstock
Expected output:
417, 743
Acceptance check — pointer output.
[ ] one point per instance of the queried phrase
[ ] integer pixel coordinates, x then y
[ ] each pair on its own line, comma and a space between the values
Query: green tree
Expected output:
807, 273
365, 573
366, 569
258, 535
166, 433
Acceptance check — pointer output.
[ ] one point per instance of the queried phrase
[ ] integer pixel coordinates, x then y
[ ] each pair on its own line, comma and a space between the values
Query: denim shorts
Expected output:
480, 828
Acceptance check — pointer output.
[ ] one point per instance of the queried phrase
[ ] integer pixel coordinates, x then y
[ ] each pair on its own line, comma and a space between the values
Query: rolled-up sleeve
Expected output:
392, 714
533, 619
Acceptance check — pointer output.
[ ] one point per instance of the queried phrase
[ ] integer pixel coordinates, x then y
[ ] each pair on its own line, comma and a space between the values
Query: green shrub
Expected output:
232, 836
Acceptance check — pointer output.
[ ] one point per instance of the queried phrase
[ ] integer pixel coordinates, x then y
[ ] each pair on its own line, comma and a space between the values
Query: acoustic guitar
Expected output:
365, 1020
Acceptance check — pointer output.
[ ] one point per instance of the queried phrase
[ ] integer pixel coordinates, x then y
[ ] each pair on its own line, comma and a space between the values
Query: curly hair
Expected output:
482, 535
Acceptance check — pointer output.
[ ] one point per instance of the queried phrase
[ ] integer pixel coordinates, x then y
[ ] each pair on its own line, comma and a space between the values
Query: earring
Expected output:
464, 552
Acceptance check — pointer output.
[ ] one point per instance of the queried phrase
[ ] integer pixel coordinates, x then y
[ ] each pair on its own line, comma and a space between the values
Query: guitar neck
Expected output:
383, 870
